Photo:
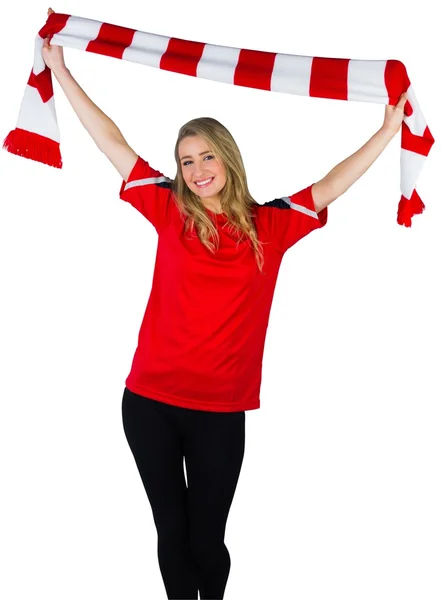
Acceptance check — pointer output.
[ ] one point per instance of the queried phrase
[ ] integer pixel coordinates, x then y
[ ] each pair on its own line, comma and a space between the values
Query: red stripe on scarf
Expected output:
43, 81
112, 40
55, 23
416, 143
397, 82
329, 77
254, 69
182, 56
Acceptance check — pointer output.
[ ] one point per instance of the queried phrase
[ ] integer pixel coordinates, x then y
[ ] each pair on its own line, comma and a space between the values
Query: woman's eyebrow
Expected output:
200, 154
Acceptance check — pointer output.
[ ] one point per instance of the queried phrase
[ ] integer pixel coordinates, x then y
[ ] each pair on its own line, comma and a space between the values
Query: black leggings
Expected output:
190, 520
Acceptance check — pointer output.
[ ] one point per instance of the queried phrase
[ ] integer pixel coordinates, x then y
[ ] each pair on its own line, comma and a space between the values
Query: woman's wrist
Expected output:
60, 72
387, 132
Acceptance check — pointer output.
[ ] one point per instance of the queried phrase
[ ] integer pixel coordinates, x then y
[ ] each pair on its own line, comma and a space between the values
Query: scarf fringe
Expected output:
409, 208
34, 146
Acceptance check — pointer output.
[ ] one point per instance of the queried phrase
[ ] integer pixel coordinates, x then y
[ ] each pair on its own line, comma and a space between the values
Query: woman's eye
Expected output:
208, 156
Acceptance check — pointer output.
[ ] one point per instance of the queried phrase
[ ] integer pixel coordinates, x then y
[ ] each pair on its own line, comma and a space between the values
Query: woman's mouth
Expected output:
205, 182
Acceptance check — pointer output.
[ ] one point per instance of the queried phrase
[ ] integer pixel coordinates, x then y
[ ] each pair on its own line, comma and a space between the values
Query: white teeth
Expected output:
204, 182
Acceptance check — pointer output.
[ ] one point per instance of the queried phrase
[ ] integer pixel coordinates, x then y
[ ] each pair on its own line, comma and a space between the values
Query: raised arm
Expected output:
344, 175
100, 127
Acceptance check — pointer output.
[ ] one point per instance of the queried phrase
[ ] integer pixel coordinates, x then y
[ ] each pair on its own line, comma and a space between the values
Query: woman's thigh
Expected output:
214, 452
157, 449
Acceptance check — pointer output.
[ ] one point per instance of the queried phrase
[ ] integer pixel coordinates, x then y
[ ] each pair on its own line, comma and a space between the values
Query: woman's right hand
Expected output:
52, 55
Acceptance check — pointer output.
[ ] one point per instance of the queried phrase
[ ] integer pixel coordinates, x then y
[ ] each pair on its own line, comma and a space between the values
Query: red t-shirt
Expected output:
201, 341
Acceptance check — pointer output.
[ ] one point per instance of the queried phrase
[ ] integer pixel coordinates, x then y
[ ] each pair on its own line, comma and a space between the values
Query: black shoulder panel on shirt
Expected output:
278, 203
164, 184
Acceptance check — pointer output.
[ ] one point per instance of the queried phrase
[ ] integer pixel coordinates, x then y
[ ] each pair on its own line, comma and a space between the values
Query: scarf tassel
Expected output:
409, 208
34, 146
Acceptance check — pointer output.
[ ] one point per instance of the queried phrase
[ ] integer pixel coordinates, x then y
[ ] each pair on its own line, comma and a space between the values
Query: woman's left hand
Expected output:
394, 115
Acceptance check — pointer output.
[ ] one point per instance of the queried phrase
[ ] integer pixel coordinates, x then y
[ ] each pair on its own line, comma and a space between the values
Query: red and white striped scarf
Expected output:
381, 81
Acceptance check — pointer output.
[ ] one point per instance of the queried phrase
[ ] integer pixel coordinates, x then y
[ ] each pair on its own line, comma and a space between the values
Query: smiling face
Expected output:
199, 163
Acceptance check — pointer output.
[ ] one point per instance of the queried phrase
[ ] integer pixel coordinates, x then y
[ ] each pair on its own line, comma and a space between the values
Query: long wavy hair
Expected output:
236, 200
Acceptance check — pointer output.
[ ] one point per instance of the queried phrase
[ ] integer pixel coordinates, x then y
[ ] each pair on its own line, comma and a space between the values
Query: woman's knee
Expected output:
208, 549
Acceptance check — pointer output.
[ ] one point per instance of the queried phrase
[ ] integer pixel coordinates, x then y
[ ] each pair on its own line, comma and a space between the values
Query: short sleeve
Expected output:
291, 218
149, 191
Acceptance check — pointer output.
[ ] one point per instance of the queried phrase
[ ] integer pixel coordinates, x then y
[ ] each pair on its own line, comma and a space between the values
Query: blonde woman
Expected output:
197, 366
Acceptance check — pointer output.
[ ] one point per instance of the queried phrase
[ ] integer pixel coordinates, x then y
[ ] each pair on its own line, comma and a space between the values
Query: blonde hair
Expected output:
236, 200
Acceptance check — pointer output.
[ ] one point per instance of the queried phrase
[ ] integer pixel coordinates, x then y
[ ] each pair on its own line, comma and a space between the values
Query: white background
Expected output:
340, 490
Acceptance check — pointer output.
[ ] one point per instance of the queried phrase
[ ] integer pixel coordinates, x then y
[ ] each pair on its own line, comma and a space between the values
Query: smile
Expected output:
205, 183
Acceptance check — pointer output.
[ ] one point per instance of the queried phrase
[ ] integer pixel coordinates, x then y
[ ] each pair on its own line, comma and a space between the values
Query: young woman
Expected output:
197, 366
